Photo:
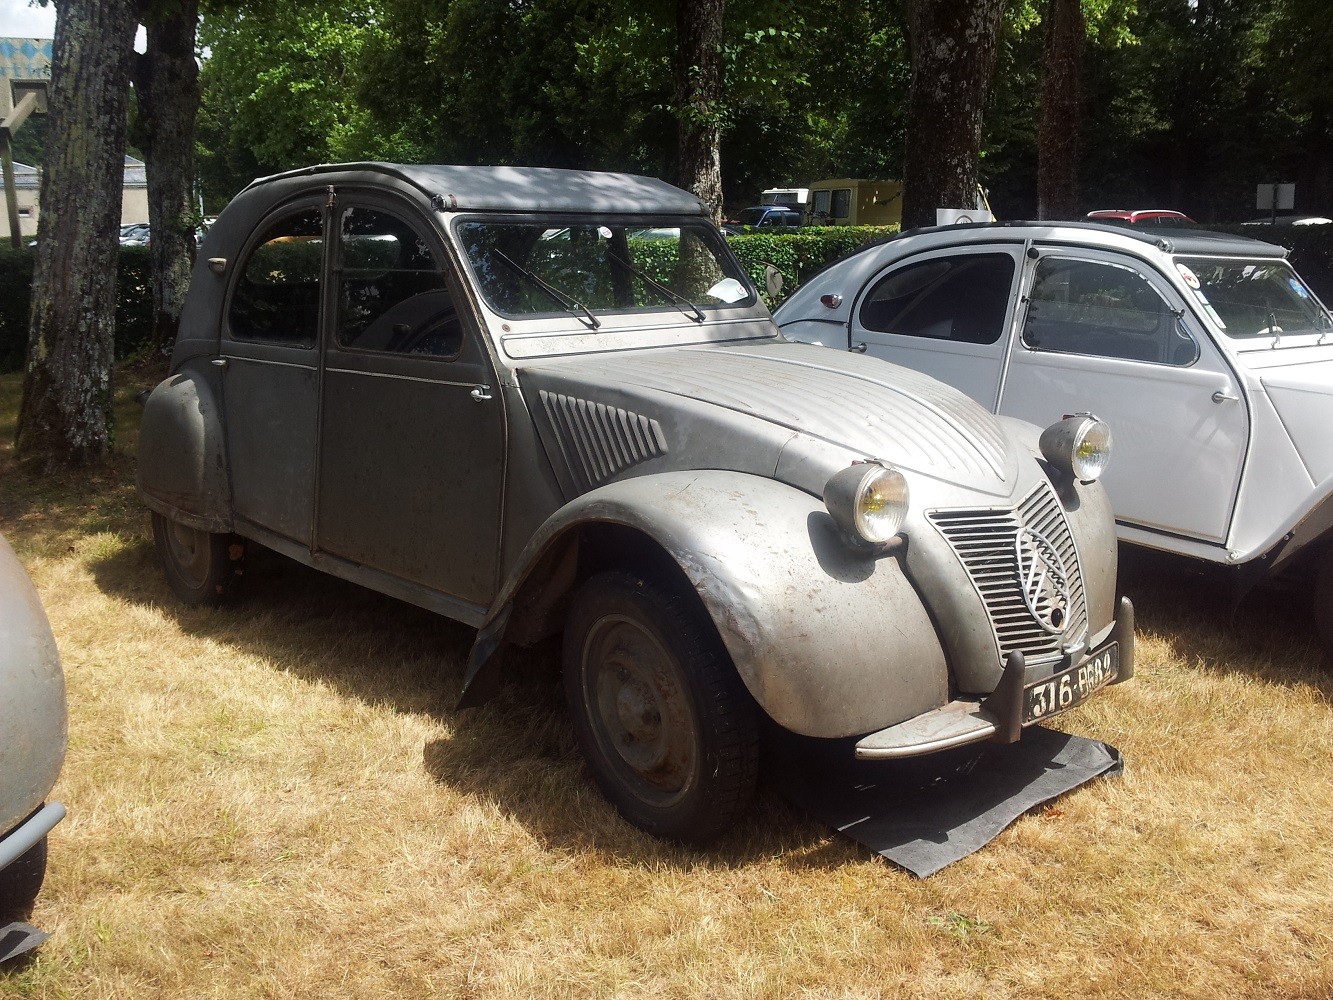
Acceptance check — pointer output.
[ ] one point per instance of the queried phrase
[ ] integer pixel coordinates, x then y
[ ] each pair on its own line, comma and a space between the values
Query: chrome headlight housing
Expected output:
868, 501
1080, 445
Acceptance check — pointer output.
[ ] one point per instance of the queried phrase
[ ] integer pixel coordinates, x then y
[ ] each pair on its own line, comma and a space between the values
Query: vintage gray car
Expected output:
549, 402
32, 737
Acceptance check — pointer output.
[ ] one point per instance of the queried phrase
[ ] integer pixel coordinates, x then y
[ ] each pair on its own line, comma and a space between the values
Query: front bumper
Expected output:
24, 837
1000, 715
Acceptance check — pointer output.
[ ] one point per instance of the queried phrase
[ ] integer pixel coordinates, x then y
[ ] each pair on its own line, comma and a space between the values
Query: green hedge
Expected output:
134, 306
798, 254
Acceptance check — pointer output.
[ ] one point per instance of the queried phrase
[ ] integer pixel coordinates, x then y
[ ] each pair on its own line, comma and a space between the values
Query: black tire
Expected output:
202, 567
1323, 603
668, 728
20, 882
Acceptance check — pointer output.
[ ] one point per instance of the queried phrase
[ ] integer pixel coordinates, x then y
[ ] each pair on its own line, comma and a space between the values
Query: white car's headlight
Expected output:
868, 500
1080, 445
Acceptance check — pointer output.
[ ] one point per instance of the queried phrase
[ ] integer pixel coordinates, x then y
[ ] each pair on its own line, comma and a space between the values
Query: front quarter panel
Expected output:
829, 641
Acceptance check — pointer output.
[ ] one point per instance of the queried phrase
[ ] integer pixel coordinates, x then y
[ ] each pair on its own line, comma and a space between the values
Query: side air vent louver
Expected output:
986, 542
600, 441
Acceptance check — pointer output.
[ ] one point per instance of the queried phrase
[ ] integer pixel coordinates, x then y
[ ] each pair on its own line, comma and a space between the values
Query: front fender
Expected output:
182, 468
831, 642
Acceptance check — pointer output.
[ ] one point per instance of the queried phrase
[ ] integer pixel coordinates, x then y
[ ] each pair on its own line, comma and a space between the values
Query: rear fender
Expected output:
182, 469
830, 641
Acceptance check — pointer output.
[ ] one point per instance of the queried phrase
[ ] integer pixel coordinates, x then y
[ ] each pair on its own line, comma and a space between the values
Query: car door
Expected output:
411, 431
270, 359
1103, 332
943, 313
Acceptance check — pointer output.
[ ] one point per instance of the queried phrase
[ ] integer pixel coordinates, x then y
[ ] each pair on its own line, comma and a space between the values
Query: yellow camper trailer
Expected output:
847, 201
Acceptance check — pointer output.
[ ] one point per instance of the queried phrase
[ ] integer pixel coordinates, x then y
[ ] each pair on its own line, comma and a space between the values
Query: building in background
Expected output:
30, 59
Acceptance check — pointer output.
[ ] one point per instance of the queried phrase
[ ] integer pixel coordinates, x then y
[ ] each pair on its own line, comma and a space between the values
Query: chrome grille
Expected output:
985, 542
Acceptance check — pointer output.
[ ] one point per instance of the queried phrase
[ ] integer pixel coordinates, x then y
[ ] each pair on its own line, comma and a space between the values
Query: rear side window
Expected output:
963, 298
276, 298
392, 294
1105, 310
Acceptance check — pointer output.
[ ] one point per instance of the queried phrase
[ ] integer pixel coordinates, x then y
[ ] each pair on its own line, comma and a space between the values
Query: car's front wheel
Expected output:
202, 567
668, 728
1323, 602
20, 882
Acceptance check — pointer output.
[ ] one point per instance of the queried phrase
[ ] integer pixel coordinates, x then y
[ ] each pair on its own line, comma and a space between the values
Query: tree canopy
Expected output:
1184, 103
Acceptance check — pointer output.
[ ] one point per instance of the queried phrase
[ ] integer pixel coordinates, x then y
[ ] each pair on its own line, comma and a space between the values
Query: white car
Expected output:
1208, 356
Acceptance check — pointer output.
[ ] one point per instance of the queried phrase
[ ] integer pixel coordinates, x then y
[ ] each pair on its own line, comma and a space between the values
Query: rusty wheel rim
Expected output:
637, 701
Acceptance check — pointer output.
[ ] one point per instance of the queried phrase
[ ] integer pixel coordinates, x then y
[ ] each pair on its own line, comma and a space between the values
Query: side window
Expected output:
842, 203
1106, 310
963, 298
276, 298
392, 294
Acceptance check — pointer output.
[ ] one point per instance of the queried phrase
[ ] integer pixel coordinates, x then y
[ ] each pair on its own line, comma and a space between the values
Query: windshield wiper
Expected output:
686, 306
566, 302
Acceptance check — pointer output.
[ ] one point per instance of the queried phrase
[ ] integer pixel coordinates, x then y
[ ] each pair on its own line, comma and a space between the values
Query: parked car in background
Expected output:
1290, 220
768, 217
1208, 356
1142, 217
474, 389
33, 734
134, 234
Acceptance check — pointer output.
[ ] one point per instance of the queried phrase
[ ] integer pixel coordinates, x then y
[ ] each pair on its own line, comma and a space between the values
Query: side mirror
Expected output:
773, 281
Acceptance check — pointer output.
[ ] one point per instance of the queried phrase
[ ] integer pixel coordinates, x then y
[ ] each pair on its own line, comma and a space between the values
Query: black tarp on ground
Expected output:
926, 813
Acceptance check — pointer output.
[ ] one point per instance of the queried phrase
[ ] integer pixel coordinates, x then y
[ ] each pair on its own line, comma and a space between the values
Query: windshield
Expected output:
1255, 299
532, 268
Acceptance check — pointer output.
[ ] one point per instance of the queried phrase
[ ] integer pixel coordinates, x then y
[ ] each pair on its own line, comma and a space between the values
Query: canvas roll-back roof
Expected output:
522, 189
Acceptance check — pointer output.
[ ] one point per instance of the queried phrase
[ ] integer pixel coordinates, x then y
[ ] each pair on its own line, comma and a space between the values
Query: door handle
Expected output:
859, 347
481, 393
1222, 396
220, 362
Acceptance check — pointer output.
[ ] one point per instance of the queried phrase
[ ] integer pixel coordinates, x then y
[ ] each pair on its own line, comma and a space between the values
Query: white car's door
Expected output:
1102, 333
943, 313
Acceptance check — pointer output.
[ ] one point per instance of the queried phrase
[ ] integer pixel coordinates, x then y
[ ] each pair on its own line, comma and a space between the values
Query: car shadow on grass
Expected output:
1271, 635
517, 751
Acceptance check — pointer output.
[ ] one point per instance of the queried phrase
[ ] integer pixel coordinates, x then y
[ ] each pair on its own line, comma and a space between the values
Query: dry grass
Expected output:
278, 799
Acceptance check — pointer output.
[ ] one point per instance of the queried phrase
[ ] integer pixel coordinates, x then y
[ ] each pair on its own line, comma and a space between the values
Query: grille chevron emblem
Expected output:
1043, 579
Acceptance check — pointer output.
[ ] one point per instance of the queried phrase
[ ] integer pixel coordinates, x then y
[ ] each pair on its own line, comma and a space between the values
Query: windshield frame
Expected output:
1254, 341
657, 324
732, 268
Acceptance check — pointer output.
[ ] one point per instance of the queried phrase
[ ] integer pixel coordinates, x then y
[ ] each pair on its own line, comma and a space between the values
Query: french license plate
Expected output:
1069, 687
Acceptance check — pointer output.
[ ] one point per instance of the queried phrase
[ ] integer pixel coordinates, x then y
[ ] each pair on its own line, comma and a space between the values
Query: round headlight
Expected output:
869, 501
1081, 445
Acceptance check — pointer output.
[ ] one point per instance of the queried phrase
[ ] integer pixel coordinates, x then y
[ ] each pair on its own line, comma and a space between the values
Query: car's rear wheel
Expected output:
668, 728
202, 567
21, 881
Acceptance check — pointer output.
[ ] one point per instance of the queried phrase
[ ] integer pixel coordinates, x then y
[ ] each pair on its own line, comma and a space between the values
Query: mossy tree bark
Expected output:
1061, 111
953, 46
699, 80
64, 418
166, 84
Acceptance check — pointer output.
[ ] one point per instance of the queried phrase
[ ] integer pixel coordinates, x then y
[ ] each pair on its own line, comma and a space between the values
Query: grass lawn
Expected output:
278, 799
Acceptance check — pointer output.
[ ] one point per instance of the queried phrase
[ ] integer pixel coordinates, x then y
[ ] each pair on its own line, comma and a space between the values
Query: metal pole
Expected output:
11, 194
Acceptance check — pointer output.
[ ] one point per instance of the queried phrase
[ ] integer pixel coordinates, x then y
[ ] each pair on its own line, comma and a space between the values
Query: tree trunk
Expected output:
64, 418
699, 99
166, 83
1061, 112
953, 46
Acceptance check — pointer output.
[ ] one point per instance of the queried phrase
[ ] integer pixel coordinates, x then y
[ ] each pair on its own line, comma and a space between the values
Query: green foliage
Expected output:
134, 303
801, 253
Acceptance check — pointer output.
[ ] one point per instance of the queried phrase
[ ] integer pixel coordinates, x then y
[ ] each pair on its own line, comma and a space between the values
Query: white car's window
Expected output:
1105, 310
538, 269
277, 293
1256, 298
963, 298
392, 294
